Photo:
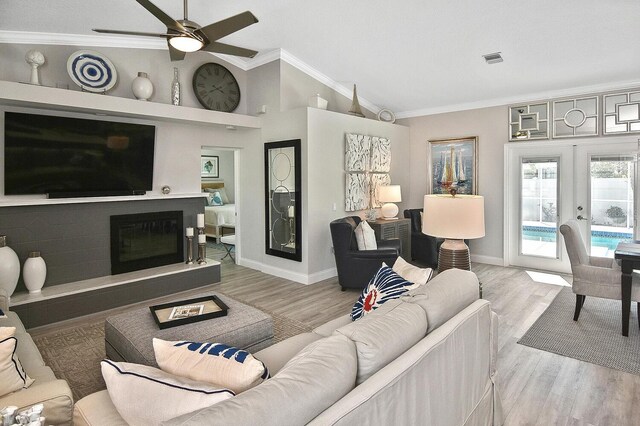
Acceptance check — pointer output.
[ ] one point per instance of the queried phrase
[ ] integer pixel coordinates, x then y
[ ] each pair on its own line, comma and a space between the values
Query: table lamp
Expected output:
454, 218
389, 195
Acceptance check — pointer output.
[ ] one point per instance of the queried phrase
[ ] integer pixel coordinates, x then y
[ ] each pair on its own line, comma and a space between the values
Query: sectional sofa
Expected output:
46, 388
428, 358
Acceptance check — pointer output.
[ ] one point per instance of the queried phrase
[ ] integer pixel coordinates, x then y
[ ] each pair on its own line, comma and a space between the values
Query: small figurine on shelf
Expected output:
35, 59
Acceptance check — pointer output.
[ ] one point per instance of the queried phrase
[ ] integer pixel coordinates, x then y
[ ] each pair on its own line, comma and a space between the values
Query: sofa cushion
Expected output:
384, 335
215, 363
365, 236
276, 356
147, 396
12, 374
447, 294
321, 374
329, 327
418, 276
384, 286
97, 409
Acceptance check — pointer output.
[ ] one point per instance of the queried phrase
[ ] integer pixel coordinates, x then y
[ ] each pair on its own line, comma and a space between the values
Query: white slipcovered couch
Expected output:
428, 358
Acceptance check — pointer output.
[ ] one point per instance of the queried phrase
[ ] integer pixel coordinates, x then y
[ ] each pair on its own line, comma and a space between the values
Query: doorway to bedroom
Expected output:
218, 178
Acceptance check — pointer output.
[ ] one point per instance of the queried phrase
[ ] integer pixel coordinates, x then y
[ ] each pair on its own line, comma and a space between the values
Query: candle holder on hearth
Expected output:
202, 253
189, 250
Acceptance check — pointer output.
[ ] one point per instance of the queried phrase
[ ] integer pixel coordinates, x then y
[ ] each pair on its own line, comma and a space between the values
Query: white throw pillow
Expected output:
418, 276
147, 396
216, 363
366, 237
12, 374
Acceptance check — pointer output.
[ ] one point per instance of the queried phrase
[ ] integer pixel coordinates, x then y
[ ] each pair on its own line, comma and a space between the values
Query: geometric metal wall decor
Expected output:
529, 122
283, 199
621, 113
577, 117
367, 163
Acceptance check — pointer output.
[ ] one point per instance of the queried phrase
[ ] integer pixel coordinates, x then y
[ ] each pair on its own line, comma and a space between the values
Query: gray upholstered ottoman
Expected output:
128, 336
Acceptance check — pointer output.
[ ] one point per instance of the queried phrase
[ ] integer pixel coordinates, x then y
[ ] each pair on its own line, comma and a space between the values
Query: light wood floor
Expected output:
537, 387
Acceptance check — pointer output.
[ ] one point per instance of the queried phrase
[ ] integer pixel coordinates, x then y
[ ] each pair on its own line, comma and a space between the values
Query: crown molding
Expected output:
528, 98
102, 40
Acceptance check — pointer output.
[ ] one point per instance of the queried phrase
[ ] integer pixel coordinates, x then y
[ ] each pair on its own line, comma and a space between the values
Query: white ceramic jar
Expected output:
142, 87
9, 267
34, 272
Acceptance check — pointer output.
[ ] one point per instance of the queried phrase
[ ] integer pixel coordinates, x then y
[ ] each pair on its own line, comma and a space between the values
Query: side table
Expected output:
395, 228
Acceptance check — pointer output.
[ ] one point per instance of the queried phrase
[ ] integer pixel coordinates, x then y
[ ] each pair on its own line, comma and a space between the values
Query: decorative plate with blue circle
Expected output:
91, 71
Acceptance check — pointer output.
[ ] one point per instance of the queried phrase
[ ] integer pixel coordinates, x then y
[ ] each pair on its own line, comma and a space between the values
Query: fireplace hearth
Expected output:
146, 240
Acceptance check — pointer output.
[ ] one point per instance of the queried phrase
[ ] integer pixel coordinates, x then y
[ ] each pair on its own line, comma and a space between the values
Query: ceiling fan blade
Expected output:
227, 49
135, 33
176, 55
158, 13
227, 26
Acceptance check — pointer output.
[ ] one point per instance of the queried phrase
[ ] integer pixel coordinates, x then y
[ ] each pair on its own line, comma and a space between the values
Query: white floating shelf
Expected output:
27, 95
16, 201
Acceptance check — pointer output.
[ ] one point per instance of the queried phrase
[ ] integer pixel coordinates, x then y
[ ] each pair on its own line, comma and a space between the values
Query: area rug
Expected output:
596, 336
74, 354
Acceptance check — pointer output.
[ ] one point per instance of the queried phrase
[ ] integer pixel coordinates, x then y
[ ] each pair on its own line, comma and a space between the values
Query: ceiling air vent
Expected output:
493, 58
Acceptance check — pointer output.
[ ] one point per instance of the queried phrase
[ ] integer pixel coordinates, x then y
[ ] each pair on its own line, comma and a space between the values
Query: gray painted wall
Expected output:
226, 170
263, 88
74, 239
490, 125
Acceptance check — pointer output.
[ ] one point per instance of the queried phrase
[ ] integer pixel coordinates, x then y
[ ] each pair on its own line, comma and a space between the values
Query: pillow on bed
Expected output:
215, 199
223, 194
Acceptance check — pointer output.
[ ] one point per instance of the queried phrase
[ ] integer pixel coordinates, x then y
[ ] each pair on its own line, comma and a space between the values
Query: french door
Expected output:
548, 184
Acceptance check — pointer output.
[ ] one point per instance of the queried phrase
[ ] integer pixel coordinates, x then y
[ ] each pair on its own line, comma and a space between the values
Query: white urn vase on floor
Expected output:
34, 272
9, 267
142, 87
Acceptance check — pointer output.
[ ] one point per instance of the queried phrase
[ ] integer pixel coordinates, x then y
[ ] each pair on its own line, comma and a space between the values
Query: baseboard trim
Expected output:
489, 260
290, 275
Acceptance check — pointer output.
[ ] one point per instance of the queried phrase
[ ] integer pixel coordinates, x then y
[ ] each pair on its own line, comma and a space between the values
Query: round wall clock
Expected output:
216, 88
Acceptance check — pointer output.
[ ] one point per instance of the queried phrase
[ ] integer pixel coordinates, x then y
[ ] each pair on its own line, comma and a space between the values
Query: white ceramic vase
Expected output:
34, 272
142, 87
9, 267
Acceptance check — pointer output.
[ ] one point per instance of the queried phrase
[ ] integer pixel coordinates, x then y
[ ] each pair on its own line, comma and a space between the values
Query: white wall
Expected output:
226, 169
490, 125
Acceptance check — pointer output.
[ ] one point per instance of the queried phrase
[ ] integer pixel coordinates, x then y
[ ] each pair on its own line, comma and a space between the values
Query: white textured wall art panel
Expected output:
377, 180
380, 154
357, 192
358, 149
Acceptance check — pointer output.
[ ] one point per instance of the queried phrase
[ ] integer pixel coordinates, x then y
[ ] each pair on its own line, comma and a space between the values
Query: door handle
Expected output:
580, 217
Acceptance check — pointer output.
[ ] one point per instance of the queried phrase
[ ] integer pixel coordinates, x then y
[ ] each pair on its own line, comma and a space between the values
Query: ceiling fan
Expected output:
186, 36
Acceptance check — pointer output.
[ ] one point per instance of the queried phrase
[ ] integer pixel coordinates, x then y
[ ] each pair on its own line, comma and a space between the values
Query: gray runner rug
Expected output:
596, 337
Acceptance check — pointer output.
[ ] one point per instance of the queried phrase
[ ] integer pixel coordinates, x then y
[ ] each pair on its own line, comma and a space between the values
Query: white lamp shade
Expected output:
389, 194
185, 43
457, 218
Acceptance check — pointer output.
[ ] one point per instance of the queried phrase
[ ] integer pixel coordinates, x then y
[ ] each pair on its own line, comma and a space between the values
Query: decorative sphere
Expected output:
34, 57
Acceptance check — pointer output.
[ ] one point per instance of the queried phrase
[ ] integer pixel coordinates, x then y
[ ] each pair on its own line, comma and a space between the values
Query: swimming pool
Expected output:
599, 238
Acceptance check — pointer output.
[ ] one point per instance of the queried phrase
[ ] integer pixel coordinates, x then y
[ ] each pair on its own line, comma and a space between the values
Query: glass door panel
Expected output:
539, 207
611, 202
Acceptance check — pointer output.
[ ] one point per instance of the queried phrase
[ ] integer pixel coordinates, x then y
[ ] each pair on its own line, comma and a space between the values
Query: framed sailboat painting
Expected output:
453, 163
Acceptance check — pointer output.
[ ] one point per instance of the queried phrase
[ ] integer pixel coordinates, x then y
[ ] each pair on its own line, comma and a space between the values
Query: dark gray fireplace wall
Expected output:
74, 238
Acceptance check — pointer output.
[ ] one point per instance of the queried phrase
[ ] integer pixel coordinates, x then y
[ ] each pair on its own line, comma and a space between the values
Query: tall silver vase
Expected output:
175, 88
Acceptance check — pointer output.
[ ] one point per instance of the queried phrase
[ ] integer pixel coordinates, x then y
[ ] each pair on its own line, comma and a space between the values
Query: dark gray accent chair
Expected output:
357, 267
594, 276
424, 248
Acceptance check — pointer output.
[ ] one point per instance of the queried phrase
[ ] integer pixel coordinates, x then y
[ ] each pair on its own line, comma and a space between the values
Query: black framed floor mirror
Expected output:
283, 199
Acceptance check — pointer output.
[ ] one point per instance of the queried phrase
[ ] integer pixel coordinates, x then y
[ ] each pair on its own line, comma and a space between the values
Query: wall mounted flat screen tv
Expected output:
48, 155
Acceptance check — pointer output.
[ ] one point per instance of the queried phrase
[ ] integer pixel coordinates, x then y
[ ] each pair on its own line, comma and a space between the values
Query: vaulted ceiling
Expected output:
412, 56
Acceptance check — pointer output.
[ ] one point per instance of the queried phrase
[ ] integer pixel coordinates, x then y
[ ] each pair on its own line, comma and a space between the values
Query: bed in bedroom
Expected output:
219, 219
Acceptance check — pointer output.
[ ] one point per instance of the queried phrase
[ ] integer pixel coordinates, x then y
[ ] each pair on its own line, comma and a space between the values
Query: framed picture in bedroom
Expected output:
453, 163
209, 166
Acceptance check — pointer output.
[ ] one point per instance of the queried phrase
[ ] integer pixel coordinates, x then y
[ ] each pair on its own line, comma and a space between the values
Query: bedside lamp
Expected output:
454, 218
389, 194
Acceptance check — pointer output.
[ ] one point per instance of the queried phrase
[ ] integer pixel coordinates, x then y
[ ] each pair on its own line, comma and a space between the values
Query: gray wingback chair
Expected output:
593, 276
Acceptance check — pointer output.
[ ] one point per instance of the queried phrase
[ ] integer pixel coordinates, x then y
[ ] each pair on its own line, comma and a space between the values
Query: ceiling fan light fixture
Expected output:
185, 43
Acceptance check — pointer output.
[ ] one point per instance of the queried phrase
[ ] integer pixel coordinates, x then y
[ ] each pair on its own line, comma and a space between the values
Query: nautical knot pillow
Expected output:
217, 363
147, 396
12, 375
418, 276
384, 286
365, 236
